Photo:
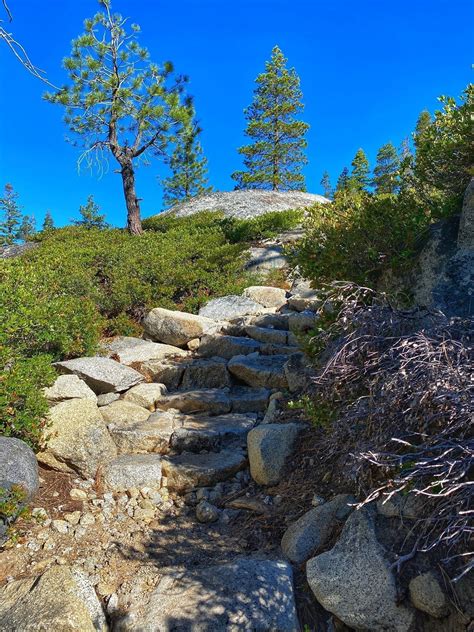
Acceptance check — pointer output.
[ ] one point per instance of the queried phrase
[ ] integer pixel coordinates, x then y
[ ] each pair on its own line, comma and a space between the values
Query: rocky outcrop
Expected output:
247, 204
176, 328
57, 600
354, 580
18, 466
79, 441
102, 375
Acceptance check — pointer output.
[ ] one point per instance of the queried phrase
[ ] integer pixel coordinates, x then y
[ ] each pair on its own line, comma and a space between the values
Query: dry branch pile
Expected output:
402, 382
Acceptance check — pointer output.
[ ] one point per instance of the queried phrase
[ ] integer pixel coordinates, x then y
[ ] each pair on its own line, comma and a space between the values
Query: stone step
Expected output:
260, 370
151, 435
245, 399
267, 335
186, 471
201, 432
206, 373
279, 349
246, 594
214, 401
226, 346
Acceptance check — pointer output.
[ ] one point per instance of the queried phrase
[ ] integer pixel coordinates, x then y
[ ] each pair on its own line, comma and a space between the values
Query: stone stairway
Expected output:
179, 406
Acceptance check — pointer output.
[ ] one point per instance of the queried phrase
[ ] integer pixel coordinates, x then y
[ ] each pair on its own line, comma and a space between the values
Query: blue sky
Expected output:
367, 69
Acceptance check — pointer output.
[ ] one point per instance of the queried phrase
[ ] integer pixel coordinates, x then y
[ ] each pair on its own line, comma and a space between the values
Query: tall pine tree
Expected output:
27, 227
326, 184
343, 182
11, 216
275, 157
360, 177
48, 222
188, 168
422, 125
386, 171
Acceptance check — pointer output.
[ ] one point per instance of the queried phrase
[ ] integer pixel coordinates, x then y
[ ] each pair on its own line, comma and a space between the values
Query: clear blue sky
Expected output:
367, 69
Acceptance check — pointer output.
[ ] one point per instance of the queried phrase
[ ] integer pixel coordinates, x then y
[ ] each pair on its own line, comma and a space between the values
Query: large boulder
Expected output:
78, 438
68, 387
176, 328
133, 470
309, 534
354, 580
247, 594
145, 395
151, 435
130, 350
18, 466
269, 446
266, 295
123, 413
260, 370
229, 307
60, 599
227, 346
103, 375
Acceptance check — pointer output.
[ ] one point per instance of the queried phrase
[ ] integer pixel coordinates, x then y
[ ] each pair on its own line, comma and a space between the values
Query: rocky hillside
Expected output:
246, 204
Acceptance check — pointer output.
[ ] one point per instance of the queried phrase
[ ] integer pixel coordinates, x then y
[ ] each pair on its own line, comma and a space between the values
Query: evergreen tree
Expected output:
11, 216
422, 125
90, 216
386, 171
360, 171
275, 157
48, 223
326, 184
118, 101
27, 228
188, 168
343, 182
406, 175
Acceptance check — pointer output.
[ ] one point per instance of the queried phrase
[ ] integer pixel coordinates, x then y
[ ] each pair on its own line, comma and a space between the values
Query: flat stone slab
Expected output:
265, 334
267, 296
266, 258
206, 373
245, 399
228, 307
102, 375
188, 470
204, 432
275, 321
260, 370
152, 435
133, 470
131, 350
145, 395
68, 387
246, 595
214, 401
227, 346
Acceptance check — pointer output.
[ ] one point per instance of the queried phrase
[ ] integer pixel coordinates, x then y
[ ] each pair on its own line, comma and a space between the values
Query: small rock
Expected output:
61, 526
205, 512
107, 398
72, 517
87, 520
193, 345
317, 500
427, 595
18, 466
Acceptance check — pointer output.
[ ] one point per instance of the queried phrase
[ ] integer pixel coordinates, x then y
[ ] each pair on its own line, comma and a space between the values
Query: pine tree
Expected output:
48, 222
188, 168
275, 157
326, 184
343, 182
360, 178
27, 228
90, 216
119, 102
11, 216
406, 174
386, 171
422, 125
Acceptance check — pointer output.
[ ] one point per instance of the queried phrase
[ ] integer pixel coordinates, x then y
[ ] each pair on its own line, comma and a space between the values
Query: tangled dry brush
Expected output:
402, 382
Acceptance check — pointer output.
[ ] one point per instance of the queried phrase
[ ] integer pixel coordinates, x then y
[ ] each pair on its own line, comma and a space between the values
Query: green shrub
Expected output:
261, 227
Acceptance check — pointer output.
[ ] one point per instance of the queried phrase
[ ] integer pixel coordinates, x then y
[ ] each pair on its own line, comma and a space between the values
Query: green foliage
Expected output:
444, 148
118, 101
326, 184
90, 215
188, 168
48, 222
343, 181
12, 503
386, 170
261, 227
355, 238
359, 178
27, 228
275, 157
11, 217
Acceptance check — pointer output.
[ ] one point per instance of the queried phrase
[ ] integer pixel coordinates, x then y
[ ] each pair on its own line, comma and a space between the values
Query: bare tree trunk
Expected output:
134, 223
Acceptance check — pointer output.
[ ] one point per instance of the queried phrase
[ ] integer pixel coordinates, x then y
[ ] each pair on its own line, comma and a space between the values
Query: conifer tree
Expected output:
422, 125
11, 216
119, 102
90, 216
406, 175
275, 157
343, 181
188, 168
386, 171
48, 222
326, 184
27, 227
359, 178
